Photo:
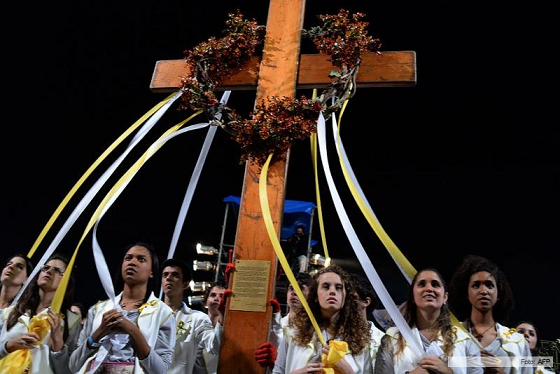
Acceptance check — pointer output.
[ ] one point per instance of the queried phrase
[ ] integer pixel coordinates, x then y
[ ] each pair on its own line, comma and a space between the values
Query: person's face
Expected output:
50, 275
172, 281
292, 298
428, 291
299, 231
75, 309
137, 265
214, 298
15, 272
331, 293
483, 292
530, 334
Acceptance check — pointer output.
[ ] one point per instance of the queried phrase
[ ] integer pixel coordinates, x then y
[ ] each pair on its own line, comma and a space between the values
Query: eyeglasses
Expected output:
57, 271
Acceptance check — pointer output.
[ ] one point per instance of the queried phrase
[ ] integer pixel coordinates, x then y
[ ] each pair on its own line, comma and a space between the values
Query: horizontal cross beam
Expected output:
389, 69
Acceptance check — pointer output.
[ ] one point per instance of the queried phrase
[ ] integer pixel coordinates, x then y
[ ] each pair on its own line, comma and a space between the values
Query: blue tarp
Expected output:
296, 213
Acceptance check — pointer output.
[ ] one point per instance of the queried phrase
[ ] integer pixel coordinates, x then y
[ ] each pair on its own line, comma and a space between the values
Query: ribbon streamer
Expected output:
400, 260
370, 271
105, 280
267, 217
159, 110
194, 181
115, 192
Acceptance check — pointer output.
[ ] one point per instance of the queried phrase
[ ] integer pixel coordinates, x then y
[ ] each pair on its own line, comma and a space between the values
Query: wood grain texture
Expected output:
245, 331
390, 69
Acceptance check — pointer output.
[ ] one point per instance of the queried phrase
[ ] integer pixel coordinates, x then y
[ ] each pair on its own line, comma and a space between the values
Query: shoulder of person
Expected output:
509, 335
459, 335
393, 332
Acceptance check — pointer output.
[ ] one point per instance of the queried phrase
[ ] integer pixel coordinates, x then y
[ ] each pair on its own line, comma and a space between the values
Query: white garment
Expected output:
516, 347
292, 356
194, 332
407, 360
375, 342
43, 361
276, 328
153, 322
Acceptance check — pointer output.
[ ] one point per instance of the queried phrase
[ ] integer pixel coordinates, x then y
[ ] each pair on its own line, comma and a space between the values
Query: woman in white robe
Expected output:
137, 334
445, 349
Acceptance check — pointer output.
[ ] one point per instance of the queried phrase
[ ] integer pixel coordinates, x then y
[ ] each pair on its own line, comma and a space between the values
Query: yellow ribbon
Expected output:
90, 170
145, 305
313, 143
19, 361
61, 290
338, 349
181, 327
267, 217
391, 247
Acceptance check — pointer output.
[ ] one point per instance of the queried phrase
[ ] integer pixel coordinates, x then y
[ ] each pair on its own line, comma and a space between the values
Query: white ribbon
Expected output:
194, 181
342, 154
361, 254
100, 263
88, 197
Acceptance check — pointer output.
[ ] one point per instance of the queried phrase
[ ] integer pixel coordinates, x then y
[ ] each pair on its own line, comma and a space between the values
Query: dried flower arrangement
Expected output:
274, 125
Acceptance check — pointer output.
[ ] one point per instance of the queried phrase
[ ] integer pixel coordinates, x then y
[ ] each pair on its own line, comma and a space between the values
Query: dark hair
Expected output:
350, 326
28, 263
30, 299
364, 289
536, 349
185, 269
219, 283
302, 279
443, 323
83, 310
154, 281
459, 286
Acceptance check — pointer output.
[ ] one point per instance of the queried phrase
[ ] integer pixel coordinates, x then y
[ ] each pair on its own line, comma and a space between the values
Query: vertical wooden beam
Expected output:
244, 331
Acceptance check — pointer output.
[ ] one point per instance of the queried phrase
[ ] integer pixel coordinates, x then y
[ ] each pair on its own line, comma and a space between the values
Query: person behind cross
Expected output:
194, 330
298, 244
266, 353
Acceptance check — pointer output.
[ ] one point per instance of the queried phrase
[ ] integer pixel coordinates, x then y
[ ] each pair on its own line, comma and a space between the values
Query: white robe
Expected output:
194, 333
43, 361
155, 321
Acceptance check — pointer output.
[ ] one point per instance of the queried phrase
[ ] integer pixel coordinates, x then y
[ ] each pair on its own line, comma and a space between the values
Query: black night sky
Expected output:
465, 162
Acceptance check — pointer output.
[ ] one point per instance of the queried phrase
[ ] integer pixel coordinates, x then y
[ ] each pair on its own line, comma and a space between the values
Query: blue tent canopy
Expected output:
296, 213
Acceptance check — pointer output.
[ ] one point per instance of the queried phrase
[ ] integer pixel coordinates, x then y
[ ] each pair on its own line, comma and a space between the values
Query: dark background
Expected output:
465, 162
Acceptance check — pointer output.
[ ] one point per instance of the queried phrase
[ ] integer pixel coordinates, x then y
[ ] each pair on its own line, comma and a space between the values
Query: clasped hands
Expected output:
431, 364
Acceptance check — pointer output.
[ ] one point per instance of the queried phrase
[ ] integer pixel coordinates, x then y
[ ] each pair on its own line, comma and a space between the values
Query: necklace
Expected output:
125, 303
479, 336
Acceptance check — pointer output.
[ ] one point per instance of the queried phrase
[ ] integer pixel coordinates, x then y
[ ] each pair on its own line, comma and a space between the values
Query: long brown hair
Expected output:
30, 298
443, 323
350, 326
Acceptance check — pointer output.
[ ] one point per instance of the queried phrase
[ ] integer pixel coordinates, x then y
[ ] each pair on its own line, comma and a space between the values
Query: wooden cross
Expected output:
278, 73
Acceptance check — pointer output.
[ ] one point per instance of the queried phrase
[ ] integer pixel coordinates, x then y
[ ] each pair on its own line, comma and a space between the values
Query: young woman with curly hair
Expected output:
448, 350
335, 305
482, 299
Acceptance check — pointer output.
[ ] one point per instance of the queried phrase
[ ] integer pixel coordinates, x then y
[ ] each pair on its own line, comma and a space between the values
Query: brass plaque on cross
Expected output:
250, 285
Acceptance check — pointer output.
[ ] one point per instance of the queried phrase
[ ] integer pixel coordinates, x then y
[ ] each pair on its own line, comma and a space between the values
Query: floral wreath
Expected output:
277, 122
